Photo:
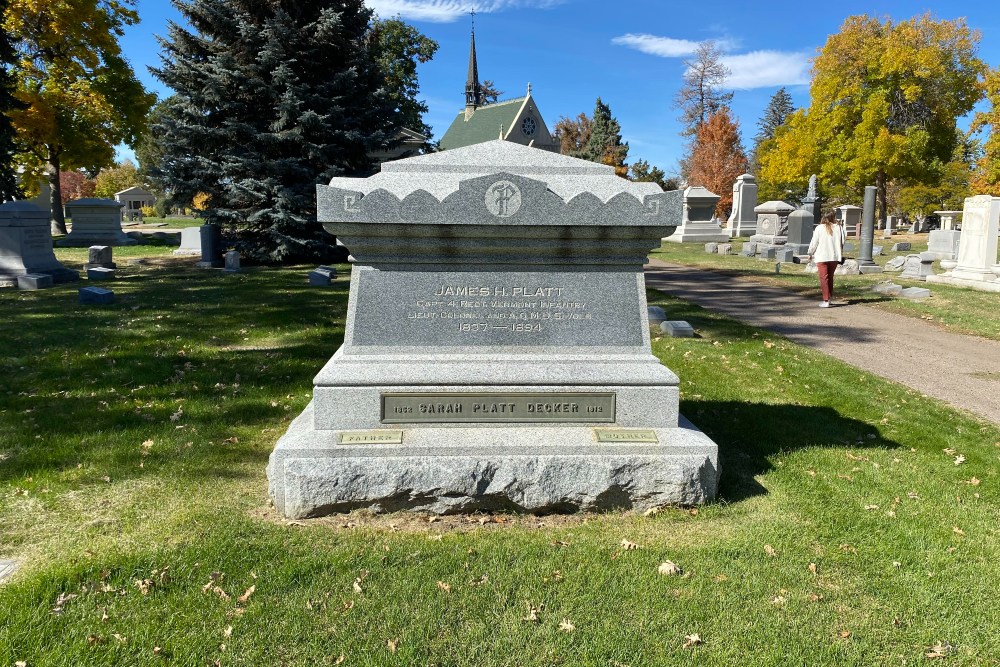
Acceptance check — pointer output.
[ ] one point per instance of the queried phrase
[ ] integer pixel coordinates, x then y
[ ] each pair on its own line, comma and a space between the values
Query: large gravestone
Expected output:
800, 229
95, 222
772, 223
743, 221
977, 264
26, 244
497, 350
698, 223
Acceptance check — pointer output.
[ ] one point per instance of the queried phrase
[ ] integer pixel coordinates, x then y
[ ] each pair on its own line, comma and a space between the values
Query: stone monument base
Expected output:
981, 285
698, 232
769, 239
457, 468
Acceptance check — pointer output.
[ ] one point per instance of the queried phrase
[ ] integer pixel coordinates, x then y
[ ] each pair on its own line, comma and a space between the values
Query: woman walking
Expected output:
827, 249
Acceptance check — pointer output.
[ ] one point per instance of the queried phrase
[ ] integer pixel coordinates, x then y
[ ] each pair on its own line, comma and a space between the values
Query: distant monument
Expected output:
743, 221
26, 244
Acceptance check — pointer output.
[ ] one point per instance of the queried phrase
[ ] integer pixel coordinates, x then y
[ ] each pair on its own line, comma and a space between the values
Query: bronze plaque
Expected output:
625, 435
370, 438
507, 408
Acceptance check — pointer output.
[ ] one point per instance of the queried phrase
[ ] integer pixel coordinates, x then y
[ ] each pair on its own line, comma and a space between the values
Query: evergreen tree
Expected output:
640, 171
605, 142
779, 108
9, 187
271, 98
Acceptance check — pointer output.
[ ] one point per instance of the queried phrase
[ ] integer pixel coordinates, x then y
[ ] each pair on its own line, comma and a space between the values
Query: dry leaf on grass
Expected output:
340, 659
629, 546
532, 616
939, 650
957, 530
959, 460
812, 567
769, 550
844, 634
392, 644
444, 586
246, 595
974, 481
669, 568
228, 632
692, 640
566, 626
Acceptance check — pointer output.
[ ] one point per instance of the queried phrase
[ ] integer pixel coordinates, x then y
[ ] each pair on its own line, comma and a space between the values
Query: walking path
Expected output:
961, 370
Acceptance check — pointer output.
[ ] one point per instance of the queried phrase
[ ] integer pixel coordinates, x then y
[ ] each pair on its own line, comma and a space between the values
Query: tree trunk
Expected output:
58, 217
880, 183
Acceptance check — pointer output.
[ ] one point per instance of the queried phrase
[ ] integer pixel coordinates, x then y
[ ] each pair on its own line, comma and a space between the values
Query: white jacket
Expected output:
826, 246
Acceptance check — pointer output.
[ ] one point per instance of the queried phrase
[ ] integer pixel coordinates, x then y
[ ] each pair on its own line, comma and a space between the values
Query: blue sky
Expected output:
629, 53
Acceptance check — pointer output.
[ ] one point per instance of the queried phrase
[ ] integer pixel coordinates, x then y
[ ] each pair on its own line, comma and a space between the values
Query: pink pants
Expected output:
826, 270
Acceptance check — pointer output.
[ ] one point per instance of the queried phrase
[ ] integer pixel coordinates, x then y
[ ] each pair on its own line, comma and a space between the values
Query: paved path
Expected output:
961, 370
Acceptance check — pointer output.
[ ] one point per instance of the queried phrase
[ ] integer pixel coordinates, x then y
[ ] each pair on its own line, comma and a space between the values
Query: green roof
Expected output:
484, 125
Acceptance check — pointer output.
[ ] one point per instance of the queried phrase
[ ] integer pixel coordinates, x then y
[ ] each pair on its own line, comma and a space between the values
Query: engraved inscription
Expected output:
400, 408
370, 438
623, 435
503, 199
495, 309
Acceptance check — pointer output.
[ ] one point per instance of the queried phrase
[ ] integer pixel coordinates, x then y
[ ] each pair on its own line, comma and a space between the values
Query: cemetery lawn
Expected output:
857, 522
955, 309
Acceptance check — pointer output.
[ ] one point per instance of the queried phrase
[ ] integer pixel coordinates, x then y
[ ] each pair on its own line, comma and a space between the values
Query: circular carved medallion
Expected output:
503, 199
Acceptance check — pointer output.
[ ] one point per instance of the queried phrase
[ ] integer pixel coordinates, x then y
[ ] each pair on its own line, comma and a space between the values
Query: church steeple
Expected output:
473, 91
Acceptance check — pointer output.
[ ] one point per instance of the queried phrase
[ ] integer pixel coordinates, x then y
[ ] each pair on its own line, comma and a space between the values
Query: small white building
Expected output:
132, 200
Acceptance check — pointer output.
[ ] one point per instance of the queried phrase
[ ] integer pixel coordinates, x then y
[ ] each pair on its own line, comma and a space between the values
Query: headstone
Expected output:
100, 256
8, 567
900, 247
918, 267
977, 251
749, 249
949, 219
100, 273
785, 254
768, 253
190, 241
492, 358
800, 230
95, 222
772, 222
677, 329
655, 315
888, 288
743, 221
896, 263
876, 250
850, 217
891, 223
867, 233
848, 268
232, 259
811, 202
711, 248
698, 224
26, 244
211, 247
725, 249
944, 243
322, 277
915, 293
34, 281
96, 295
849, 246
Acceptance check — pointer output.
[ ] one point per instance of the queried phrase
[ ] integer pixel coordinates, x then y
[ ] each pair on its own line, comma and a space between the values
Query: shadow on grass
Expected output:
749, 434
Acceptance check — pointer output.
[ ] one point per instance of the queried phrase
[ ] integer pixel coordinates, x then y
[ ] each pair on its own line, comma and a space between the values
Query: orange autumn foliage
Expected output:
718, 158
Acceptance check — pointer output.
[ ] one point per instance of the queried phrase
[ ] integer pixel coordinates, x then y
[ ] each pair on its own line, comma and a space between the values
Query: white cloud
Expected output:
446, 11
665, 47
763, 69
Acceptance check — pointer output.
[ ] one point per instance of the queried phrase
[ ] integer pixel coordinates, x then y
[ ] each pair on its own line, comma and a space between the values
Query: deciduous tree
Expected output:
701, 94
75, 185
884, 102
271, 99
114, 179
573, 134
986, 180
81, 96
718, 158
9, 187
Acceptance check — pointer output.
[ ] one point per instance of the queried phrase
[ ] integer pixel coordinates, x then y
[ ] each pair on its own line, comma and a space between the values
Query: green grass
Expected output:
954, 309
133, 439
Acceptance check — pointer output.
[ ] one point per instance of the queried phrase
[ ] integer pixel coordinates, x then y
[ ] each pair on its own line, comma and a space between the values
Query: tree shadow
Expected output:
750, 434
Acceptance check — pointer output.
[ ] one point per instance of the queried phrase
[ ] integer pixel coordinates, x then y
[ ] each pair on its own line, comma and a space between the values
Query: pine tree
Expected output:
9, 187
605, 142
271, 98
718, 158
779, 108
641, 171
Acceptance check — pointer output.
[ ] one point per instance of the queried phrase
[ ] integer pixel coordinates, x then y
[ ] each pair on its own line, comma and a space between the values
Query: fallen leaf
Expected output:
949, 451
177, 415
939, 650
532, 616
768, 344
121, 640
356, 585
778, 600
669, 568
246, 595
444, 586
720, 578
232, 441
566, 626
652, 511
959, 460
94, 639
844, 634
629, 546
393, 644
157, 650
812, 567
480, 581
957, 530
340, 660
228, 632
692, 640
769, 550
871, 507
974, 482
813, 597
